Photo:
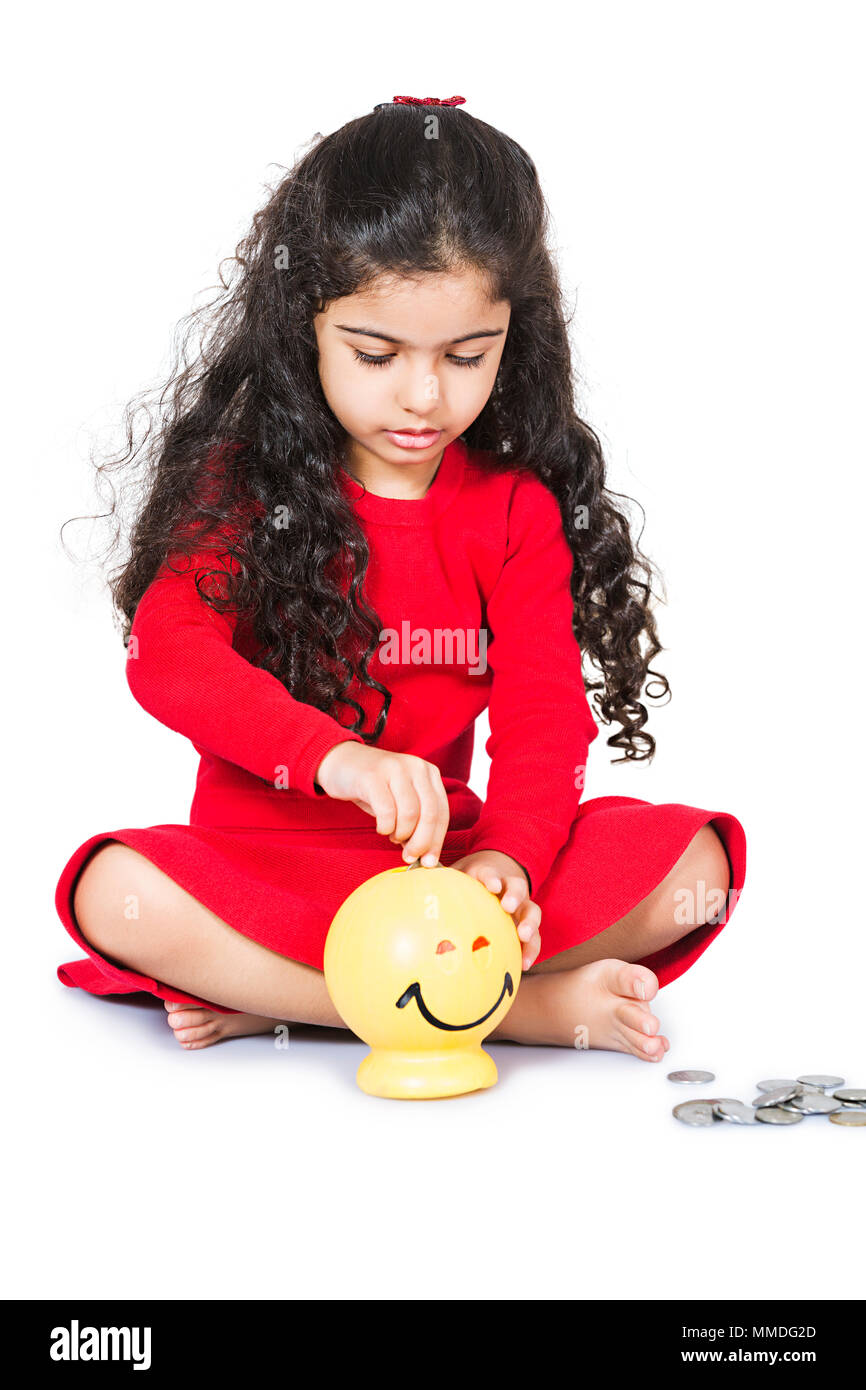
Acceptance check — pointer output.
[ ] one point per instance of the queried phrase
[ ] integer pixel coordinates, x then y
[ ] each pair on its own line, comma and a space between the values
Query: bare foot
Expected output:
594, 1005
197, 1027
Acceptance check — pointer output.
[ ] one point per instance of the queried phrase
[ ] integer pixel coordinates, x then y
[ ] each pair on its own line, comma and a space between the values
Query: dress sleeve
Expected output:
541, 724
183, 669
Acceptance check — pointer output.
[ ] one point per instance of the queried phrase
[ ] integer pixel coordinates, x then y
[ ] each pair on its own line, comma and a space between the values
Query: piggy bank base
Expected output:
425, 1075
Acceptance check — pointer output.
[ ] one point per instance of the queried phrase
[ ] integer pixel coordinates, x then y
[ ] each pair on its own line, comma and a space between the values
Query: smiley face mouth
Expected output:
414, 992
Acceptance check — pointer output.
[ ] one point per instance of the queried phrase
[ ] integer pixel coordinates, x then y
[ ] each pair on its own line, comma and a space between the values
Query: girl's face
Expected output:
418, 354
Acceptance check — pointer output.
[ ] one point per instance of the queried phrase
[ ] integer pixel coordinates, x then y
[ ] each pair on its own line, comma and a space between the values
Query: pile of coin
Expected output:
780, 1102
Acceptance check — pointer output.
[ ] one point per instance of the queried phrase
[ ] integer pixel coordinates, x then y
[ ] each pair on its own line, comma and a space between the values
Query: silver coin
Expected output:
718, 1101
848, 1117
694, 1112
692, 1076
825, 1082
853, 1096
736, 1112
773, 1097
809, 1090
815, 1104
775, 1085
774, 1115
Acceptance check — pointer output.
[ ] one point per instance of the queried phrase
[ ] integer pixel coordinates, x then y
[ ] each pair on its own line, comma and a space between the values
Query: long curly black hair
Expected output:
243, 428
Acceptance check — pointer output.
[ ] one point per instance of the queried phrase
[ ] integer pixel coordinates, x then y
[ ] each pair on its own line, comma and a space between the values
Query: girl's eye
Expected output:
383, 360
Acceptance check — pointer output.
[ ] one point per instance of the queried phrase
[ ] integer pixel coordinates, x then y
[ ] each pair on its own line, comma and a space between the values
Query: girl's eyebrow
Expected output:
386, 337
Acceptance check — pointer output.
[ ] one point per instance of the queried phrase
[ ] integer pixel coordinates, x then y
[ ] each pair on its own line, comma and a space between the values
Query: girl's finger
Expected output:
484, 874
408, 808
528, 911
515, 892
527, 920
383, 807
529, 949
428, 834
530, 940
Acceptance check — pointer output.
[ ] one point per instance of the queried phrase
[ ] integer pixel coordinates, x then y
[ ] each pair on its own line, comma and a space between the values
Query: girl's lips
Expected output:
406, 440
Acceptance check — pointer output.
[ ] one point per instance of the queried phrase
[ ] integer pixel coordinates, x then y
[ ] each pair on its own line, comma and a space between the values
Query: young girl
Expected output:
371, 512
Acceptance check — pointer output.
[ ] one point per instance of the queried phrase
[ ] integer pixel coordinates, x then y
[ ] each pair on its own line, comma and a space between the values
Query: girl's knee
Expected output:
704, 873
710, 858
110, 891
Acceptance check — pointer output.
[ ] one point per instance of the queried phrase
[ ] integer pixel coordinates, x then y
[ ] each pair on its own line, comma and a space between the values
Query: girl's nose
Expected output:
421, 396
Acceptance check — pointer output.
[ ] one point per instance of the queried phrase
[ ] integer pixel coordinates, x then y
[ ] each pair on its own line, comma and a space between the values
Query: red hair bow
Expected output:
429, 101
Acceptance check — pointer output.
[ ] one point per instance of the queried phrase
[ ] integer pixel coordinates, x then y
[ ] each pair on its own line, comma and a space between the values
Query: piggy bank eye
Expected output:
445, 946
479, 943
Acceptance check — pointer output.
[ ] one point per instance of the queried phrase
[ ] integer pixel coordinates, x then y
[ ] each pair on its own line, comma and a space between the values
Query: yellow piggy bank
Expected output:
422, 963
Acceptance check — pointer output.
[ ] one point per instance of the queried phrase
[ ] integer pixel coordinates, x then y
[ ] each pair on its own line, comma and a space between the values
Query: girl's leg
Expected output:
594, 996
652, 924
176, 939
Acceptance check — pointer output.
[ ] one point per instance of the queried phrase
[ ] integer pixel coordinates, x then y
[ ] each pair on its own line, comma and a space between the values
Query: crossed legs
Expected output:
175, 938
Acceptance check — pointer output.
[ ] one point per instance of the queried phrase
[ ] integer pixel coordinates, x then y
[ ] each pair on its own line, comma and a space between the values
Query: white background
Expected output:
703, 165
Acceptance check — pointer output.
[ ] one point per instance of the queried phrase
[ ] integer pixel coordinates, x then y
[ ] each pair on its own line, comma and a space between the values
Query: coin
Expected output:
848, 1117
773, 1097
781, 1101
736, 1112
722, 1100
774, 1115
815, 1104
694, 1112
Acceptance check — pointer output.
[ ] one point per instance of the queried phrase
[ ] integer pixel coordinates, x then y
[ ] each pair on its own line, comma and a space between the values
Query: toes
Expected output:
189, 1035
648, 1049
189, 1018
638, 1018
645, 1024
638, 982
631, 981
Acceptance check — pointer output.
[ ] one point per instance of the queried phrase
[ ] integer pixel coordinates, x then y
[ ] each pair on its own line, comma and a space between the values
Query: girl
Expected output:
372, 511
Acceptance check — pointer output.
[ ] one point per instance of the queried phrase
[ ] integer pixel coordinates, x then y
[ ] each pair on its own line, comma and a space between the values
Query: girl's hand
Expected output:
404, 793
505, 878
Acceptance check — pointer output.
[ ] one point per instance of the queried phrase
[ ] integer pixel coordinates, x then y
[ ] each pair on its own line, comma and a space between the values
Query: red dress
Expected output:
472, 583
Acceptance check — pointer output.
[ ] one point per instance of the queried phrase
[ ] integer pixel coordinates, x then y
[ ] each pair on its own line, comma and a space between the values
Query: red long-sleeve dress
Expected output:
472, 583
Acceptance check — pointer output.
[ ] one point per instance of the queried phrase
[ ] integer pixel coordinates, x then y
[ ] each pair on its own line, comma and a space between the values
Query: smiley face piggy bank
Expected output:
422, 963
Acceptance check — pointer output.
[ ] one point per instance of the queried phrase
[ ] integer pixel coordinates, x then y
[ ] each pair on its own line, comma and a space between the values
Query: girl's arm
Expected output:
183, 670
541, 724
